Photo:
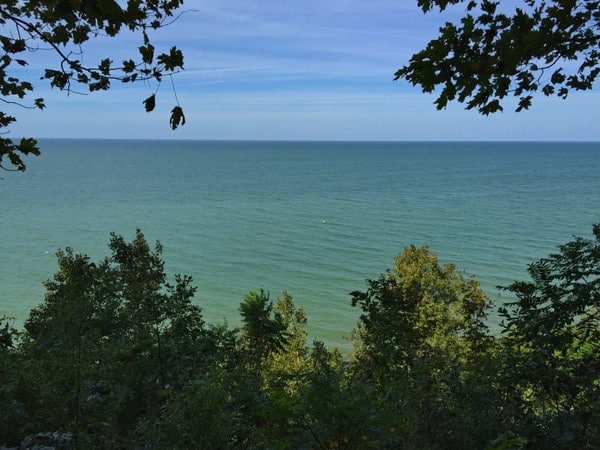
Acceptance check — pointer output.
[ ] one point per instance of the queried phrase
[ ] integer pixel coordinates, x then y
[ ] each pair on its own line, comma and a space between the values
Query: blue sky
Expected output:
293, 70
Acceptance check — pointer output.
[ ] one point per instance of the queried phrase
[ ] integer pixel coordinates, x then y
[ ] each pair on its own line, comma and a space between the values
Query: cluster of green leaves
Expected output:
109, 340
555, 323
548, 46
64, 27
118, 357
425, 347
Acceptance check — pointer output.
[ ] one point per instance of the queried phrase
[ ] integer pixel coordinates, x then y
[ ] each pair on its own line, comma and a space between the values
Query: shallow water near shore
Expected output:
312, 218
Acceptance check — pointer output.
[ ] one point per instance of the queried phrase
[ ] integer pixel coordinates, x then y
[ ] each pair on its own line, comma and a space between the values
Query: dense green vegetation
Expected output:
116, 356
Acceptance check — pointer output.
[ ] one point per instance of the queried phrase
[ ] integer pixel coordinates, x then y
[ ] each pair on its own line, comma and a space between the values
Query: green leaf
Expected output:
104, 66
60, 34
128, 66
173, 60
177, 117
150, 103
524, 103
29, 146
147, 52
548, 89
102, 84
81, 34
57, 78
563, 92
558, 77
39, 103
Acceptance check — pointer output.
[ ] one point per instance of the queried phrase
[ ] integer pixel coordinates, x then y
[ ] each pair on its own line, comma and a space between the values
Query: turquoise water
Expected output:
315, 219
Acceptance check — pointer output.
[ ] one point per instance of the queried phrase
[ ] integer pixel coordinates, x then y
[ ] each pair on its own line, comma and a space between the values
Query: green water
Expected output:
313, 218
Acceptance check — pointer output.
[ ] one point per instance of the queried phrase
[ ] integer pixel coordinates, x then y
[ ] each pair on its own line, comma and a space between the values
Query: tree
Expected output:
424, 345
249, 400
418, 310
108, 343
549, 46
64, 27
265, 333
553, 332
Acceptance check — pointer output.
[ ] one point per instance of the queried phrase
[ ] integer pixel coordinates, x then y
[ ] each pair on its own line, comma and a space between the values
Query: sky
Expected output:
288, 70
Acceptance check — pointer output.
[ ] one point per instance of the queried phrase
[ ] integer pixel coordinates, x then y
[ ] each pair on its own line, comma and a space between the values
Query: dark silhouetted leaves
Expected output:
177, 117
62, 27
173, 60
489, 54
150, 103
147, 52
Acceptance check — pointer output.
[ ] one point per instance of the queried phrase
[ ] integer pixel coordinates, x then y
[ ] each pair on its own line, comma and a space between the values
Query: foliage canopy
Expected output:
552, 47
63, 27
118, 357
